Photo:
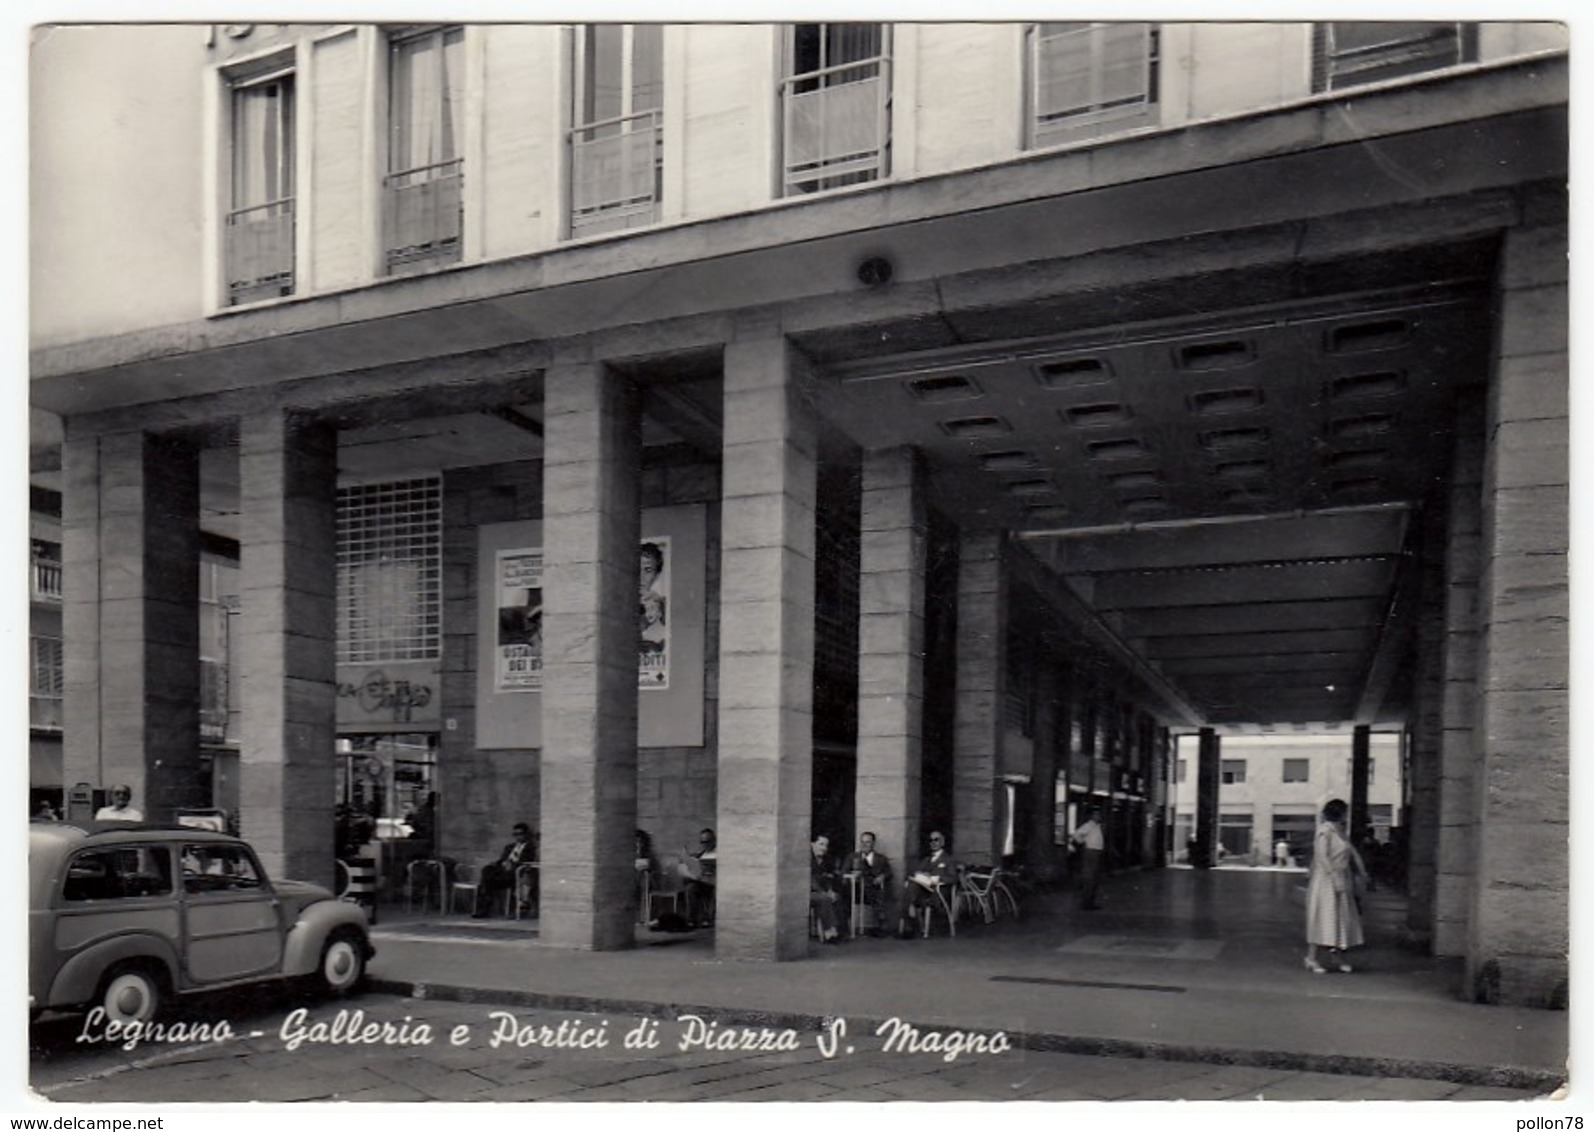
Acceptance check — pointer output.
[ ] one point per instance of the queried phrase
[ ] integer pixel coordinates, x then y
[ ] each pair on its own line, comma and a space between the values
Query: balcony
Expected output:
616, 171
44, 713
259, 252
46, 580
422, 216
836, 126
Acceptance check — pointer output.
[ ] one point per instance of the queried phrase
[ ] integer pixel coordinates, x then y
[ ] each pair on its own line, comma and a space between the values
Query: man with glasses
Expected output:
121, 807
499, 876
701, 871
934, 869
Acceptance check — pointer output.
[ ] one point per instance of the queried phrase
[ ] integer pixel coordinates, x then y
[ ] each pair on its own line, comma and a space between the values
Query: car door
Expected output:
232, 920
111, 892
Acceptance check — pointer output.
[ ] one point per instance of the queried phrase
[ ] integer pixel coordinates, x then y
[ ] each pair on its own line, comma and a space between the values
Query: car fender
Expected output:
79, 977
301, 950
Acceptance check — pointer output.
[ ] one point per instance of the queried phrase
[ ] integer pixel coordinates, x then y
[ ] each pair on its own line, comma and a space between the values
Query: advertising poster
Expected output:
518, 647
519, 644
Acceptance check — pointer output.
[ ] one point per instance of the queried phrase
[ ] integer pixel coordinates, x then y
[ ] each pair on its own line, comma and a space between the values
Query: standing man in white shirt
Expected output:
121, 807
1091, 842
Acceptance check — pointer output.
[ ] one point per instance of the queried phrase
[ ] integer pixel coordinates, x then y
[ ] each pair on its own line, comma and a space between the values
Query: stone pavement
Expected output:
262, 1065
1181, 965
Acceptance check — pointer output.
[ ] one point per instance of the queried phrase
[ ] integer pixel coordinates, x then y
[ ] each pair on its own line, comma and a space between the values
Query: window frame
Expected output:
281, 68
1375, 70
438, 185
1231, 772
588, 130
1094, 120
1304, 765
800, 180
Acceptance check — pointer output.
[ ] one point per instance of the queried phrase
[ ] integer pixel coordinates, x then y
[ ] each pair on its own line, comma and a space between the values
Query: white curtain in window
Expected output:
426, 100
262, 171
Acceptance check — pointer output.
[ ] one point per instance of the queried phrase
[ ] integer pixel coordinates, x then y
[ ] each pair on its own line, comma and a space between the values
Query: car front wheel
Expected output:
342, 962
131, 994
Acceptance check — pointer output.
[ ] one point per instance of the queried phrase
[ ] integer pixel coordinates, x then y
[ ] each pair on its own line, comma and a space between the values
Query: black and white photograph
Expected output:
511, 499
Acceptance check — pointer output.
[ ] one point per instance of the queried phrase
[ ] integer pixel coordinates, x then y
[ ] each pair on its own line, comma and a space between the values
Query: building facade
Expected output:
772, 427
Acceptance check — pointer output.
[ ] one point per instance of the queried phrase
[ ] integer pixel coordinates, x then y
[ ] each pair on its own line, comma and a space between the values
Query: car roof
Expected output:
49, 843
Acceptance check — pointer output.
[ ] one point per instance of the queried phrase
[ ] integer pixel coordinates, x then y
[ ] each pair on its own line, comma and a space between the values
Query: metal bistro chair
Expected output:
949, 902
467, 882
523, 893
425, 878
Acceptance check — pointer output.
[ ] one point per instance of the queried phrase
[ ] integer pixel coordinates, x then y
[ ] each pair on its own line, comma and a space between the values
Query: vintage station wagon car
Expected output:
122, 916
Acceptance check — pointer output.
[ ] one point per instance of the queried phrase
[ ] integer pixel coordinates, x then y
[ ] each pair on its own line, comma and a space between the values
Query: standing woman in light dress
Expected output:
1332, 918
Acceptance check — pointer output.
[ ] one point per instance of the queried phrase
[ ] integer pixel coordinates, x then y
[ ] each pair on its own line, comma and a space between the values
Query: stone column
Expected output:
287, 590
1209, 767
891, 651
1456, 847
1519, 932
591, 535
766, 654
1361, 758
981, 682
1426, 729
130, 533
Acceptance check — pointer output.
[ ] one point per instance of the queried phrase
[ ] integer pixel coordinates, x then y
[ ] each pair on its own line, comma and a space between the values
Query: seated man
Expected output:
700, 869
824, 891
919, 889
874, 881
499, 876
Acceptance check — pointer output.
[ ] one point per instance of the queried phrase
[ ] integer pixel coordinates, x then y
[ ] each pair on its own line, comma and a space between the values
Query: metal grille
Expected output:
390, 542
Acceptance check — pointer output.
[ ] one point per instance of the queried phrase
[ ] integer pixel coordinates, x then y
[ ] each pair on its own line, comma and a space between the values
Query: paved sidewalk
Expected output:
1181, 965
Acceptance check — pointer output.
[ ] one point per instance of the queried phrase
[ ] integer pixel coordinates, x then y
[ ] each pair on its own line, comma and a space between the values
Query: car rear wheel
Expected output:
131, 994
342, 962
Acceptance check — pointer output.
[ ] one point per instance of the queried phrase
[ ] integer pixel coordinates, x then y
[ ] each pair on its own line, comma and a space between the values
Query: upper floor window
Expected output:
1232, 771
1353, 54
835, 106
46, 682
1297, 770
257, 247
1091, 79
45, 559
617, 136
422, 205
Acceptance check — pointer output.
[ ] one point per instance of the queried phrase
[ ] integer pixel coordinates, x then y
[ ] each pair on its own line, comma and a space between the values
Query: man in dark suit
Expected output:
936, 866
499, 876
874, 881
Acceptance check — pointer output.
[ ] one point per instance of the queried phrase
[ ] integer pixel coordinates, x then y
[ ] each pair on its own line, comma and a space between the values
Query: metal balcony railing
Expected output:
422, 216
616, 173
259, 252
46, 580
837, 125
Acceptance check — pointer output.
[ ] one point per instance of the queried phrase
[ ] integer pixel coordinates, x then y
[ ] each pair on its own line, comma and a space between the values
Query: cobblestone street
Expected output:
425, 1058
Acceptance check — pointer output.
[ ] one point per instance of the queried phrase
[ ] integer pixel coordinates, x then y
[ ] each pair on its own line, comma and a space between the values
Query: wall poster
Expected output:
670, 616
519, 641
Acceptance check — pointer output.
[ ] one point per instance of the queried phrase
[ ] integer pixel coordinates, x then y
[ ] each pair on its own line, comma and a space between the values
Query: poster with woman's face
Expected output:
518, 648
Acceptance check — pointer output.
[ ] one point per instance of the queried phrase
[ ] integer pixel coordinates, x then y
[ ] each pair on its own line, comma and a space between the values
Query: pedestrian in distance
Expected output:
1091, 842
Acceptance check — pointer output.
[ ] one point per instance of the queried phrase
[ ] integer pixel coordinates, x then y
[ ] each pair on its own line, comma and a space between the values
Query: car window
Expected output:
219, 868
119, 873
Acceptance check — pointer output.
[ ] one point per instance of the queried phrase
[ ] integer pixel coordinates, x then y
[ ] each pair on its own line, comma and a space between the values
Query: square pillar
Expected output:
130, 534
1209, 771
766, 654
981, 680
1519, 927
591, 532
1456, 797
287, 629
891, 650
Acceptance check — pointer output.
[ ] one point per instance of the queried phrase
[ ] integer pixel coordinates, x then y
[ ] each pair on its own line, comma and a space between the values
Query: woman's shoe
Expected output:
1315, 967
1343, 967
